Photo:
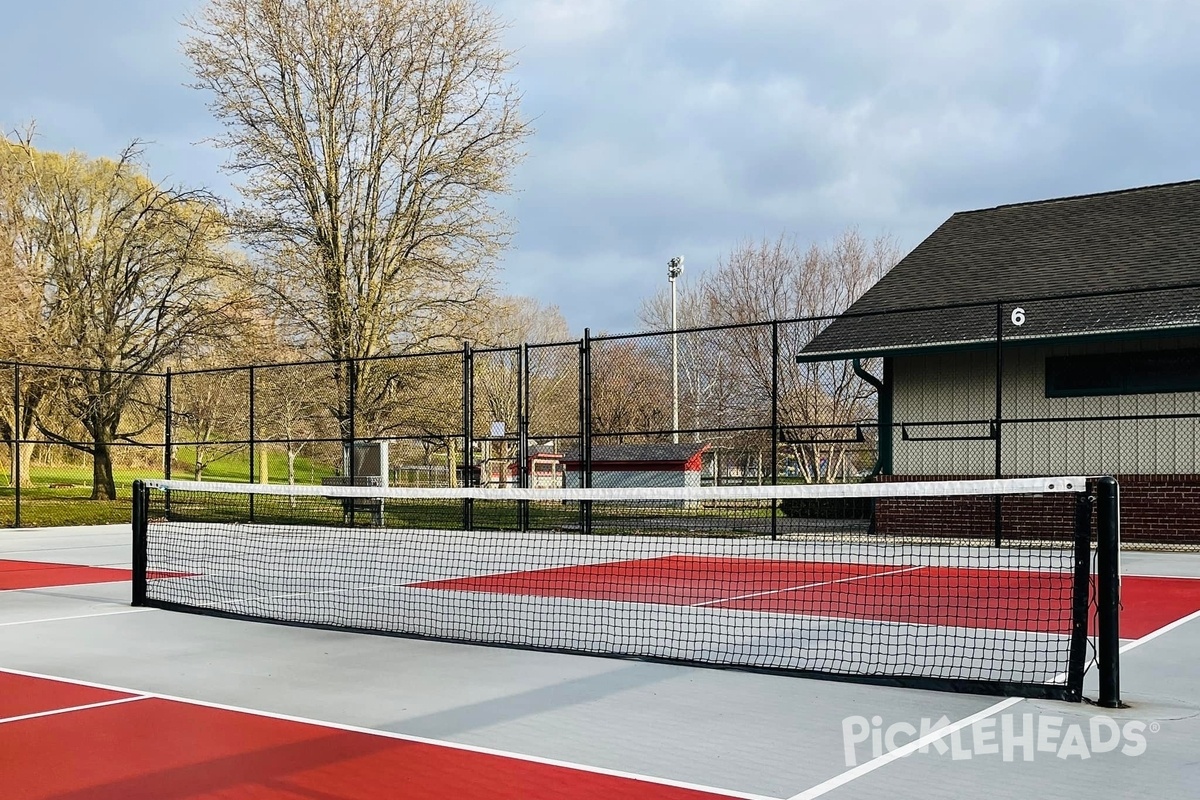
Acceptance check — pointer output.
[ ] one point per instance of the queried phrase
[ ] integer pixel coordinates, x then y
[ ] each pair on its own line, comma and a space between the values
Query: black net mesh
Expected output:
902, 582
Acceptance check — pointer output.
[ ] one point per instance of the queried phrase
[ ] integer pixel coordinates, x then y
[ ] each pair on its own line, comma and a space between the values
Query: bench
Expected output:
352, 506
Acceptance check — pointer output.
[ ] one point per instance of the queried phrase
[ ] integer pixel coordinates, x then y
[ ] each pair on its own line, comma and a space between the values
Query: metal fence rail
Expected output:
1011, 388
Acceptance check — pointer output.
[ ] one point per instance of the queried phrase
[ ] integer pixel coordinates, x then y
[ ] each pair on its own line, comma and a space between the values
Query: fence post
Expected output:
585, 425
253, 449
468, 404
167, 444
1108, 590
999, 414
351, 411
774, 426
523, 433
17, 442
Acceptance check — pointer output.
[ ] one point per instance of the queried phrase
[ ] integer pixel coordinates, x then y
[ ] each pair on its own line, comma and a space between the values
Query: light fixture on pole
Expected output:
674, 270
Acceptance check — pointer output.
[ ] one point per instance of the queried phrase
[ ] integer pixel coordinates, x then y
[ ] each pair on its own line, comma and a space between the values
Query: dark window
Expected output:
1123, 373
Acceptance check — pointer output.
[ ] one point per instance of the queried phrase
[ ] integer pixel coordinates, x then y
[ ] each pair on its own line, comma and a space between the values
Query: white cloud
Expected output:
684, 126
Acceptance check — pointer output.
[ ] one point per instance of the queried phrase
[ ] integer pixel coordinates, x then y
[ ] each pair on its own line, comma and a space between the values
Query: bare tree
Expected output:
726, 377
23, 329
780, 280
628, 391
129, 278
371, 137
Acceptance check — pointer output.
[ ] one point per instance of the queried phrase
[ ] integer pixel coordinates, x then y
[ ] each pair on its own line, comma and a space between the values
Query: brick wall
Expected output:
1155, 509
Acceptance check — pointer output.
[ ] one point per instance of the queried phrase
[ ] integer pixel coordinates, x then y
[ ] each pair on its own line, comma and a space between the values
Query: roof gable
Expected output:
666, 452
1112, 242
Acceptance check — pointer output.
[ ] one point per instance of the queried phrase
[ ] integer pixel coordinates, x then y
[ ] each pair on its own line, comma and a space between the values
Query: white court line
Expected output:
71, 709
1155, 634
870, 766
805, 586
551, 762
1167, 577
824, 788
75, 616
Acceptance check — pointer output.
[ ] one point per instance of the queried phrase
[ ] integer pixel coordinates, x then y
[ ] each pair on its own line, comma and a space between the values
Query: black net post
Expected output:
1076, 662
141, 509
468, 404
1108, 590
16, 438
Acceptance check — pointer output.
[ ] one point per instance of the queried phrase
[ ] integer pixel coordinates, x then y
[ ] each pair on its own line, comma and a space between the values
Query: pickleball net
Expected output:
964, 585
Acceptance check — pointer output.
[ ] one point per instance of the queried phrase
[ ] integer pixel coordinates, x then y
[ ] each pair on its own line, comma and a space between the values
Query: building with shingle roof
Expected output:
632, 465
1044, 338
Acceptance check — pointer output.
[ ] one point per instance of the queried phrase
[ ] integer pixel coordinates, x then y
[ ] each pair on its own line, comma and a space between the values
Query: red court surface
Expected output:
998, 599
151, 747
1016, 600
675, 580
20, 696
39, 575
1148, 603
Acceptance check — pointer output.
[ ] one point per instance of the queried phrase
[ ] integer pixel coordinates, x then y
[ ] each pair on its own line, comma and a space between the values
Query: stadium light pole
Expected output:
674, 270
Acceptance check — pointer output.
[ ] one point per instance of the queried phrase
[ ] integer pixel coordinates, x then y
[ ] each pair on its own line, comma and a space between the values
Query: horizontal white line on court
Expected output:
404, 737
55, 711
806, 586
75, 616
1165, 577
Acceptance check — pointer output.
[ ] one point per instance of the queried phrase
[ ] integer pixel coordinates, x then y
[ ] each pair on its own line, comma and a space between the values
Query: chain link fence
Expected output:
1091, 384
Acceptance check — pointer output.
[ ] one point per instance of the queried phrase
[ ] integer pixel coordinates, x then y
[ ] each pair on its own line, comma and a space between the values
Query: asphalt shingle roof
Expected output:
640, 452
1113, 242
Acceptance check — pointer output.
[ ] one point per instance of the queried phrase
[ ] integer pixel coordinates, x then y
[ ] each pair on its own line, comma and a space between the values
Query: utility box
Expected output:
370, 461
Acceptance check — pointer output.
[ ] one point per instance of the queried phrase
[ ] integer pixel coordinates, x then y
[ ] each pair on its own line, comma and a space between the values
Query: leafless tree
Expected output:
730, 375
371, 137
129, 277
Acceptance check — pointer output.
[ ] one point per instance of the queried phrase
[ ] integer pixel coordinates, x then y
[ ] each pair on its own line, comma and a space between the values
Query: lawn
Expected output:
61, 493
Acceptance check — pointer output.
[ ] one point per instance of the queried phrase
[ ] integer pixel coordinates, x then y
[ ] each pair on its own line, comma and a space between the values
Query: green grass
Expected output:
61, 493
320, 511
235, 468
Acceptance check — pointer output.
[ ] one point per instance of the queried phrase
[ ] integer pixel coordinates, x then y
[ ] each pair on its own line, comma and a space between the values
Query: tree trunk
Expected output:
291, 461
25, 457
198, 465
104, 487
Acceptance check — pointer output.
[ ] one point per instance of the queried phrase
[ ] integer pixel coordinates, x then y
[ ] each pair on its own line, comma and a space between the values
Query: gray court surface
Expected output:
745, 734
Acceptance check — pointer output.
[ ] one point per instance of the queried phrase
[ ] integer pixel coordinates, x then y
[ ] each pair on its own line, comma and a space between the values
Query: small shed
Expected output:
623, 466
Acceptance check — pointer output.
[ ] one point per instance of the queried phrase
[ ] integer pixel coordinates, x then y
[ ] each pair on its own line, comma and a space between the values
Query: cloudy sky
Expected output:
669, 127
